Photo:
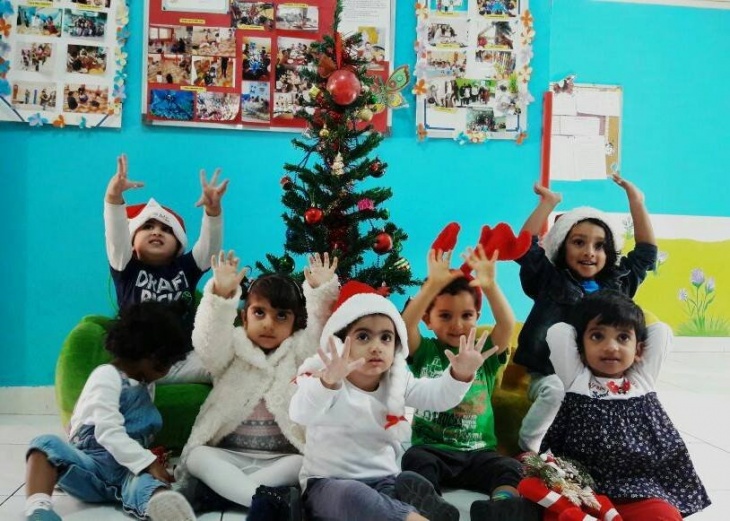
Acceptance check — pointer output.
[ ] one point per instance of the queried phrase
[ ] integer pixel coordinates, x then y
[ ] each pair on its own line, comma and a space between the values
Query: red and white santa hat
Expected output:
564, 223
138, 214
358, 300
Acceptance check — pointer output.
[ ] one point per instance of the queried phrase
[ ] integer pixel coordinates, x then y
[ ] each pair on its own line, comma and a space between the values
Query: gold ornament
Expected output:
365, 114
324, 132
338, 165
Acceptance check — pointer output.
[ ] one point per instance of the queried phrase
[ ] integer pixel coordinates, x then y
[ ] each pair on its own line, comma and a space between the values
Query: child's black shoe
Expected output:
276, 504
414, 489
512, 509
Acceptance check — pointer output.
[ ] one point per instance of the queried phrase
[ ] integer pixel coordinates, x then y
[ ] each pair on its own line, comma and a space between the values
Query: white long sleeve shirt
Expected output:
346, 437
98, 405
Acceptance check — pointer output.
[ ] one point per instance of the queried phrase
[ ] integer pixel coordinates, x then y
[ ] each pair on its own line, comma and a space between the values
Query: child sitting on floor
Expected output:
107, 458
352, 398
611, 420
243, 437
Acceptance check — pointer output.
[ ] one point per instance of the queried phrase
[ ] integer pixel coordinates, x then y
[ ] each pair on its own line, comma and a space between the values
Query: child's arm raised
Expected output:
485, 277
213, 331
548, 201
118, 241
320, 292
211, 230
643, 230
439, 276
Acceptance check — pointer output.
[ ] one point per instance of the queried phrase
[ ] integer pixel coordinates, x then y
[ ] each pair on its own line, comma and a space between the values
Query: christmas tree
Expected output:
326, 211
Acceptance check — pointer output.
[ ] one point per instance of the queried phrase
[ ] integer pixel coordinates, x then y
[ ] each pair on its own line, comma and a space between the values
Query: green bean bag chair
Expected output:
83, 350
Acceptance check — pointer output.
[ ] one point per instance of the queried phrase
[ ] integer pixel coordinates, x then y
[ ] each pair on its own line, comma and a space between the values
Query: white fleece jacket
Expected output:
242, 374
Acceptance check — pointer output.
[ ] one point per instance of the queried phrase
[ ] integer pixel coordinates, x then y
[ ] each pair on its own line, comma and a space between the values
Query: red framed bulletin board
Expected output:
234, 63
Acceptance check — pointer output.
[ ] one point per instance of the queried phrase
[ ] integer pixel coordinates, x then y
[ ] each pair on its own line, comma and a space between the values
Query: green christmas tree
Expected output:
326, 209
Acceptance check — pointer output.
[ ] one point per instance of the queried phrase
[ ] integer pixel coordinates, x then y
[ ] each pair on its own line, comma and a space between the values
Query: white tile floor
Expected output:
694, 387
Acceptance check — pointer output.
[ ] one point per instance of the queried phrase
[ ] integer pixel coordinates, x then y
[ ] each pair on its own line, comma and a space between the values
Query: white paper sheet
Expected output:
562, 161
598, 102
578, 126
564, 105
199, 6
590, 157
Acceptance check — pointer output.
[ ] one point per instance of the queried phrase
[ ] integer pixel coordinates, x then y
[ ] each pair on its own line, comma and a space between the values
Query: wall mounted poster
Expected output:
237, 64
473, 67
62, 62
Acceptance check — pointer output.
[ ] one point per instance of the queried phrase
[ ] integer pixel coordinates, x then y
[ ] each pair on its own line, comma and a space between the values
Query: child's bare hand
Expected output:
485, 269
226, 277
547, 195
159, 471
337, 366
212, 193
120, 183
632, 192
439, 271
470, 358
320, 270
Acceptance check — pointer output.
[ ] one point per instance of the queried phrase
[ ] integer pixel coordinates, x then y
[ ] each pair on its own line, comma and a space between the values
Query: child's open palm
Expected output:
484, 268
120, 183
337, 366
470, 357
226, 277
439, 271
212, 193
320, 270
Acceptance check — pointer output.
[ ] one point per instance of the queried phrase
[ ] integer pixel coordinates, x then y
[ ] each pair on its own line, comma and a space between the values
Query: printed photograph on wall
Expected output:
62, 63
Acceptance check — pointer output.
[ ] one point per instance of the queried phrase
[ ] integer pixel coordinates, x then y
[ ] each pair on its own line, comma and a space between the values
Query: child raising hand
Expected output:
146, 247
243, 437
352, 398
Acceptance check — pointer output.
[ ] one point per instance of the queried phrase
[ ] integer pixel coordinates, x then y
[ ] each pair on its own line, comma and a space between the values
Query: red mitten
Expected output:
502, 238
607, 512
535, 490
446, 240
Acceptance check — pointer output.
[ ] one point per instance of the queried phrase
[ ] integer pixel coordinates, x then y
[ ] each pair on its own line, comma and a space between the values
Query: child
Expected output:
611, 420
106, 458
580, 254
243, 436
352, 402
146, 250
457, 447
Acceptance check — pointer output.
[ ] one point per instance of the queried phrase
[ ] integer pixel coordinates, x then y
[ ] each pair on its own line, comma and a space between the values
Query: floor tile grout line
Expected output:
13, 494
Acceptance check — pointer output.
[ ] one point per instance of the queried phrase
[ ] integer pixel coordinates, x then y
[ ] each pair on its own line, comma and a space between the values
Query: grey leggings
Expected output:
355, 500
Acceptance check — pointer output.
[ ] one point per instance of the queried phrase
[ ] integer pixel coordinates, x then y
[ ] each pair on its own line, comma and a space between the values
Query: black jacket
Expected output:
555, 292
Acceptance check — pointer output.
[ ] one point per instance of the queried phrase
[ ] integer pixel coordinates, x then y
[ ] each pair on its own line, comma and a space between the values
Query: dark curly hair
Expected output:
611, 308
148, 330
609, 246
455, 287
282, 292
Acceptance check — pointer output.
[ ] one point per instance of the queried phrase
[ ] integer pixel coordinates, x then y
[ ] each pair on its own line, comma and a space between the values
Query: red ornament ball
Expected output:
376, 169
383, 243
286, 183
344, 86
313, 215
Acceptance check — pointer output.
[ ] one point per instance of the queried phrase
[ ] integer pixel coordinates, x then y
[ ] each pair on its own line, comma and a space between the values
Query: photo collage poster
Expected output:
62, 62
232, 63
473, 69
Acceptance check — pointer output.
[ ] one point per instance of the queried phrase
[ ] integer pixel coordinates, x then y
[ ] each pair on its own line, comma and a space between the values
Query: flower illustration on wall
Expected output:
697, 301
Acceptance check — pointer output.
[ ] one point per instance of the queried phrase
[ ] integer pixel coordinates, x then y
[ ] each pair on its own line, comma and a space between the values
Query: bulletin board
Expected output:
62, 62
236, 63
582, 131
473, 69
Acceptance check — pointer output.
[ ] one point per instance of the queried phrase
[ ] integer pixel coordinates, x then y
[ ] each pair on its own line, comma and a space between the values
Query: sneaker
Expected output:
275, 504
169, 506
513, 509
414, 489
43, 514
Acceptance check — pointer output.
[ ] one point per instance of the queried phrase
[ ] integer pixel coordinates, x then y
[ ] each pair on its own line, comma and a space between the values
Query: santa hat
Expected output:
358, 300
564, 223
138, 214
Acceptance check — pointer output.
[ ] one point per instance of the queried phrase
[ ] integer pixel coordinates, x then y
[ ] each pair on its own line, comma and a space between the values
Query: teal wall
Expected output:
671, 62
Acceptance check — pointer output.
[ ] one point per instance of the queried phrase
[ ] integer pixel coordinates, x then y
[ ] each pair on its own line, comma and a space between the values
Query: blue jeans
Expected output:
94, 476
330, 499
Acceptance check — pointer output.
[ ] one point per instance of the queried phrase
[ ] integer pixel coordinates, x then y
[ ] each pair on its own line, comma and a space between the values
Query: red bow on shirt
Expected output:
616, 389
391, 420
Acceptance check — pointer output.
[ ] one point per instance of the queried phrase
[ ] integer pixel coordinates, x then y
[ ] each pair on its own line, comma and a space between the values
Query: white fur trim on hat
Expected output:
153, 210
395, 380
561, 227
